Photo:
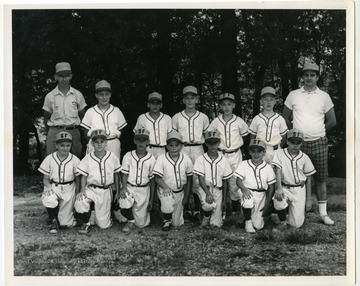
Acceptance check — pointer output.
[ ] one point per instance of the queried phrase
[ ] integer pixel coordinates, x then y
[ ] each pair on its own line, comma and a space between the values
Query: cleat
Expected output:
327, 220
249, 228
128, 227
167, 225
119, 217
54, 227
85, 228
205, 222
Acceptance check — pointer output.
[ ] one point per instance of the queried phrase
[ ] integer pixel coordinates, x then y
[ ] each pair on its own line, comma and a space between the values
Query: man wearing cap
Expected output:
104, 116
311, 111
63, 107
157, 123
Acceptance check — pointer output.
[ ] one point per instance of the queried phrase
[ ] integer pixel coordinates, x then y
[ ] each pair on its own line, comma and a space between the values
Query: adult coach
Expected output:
64, 107
311, 111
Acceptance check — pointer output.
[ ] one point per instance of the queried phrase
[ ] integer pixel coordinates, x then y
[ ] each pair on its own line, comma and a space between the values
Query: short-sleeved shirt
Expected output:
269, 129
294, 169
60, 171
231, 132
111, 120
158, 128
191, 128
64, 109
213, 171
139, 170
309, 109
255, 177
99, 172
173, 173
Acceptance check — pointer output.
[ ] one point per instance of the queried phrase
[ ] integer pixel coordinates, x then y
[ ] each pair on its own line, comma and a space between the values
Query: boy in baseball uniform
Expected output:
232, 130
191, 124
213, 171
99, 170
256, 180
157, 123
173, 175
138, 187
61, 183
268, 125
293, 169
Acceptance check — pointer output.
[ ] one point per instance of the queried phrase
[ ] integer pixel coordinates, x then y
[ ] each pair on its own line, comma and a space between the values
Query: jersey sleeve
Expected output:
283, 127
271, 175
86, 121
228, 173
244, 129
121, 122
116, 162
169, 123
199, 168
159, 166
45, 166
206, 123
309, 168
139, 123
189, 167
151, 167
76, 165
83, 168
126, 163
240, 172
277, 162
253, 129
175, 122
213, 125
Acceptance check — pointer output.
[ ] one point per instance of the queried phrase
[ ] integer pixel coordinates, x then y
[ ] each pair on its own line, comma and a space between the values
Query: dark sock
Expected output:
207, 214
167, 216
247, 213
128, 213
52, 212
282, 214
235, 206
196, 203
85, 217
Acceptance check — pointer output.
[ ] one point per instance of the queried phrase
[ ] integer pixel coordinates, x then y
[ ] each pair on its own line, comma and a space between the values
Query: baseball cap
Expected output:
226, 96
62, 67
63, 137
98, 133
295, 134
141, 133
190, 89
311, 66
155, 96
257, 143
102, 85
173, 135
268, 90
212, 136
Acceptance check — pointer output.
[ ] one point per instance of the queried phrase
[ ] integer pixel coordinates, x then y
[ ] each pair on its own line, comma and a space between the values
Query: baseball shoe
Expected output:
197, 217
84, 228
327, 220
167, 225
119, 217
187, 216
128, 227
249, 228
205, 222
54, 227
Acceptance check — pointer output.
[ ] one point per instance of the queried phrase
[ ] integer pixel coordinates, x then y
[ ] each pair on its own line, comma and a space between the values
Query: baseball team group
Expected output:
185, 158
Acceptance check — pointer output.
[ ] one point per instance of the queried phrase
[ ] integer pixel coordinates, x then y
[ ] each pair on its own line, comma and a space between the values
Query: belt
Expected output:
259, 191
275, 147
155, 146
193, 144
214, 187
100, 187
292, 186
60, 183
67, 127
139, 186
229, 152
178, 191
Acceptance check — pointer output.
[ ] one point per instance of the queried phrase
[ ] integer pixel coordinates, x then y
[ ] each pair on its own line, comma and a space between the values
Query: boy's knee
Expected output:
280, 205
247, 203
50, 201
208, 207
167, 204
82, 206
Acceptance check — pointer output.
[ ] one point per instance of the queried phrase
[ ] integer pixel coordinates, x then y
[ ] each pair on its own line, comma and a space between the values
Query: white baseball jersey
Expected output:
213, 171
173, 173
158, 128
99, 172
191, 128
255, 177
139, 170
111, 120
269, 129
60, 171
294, 169
231, 132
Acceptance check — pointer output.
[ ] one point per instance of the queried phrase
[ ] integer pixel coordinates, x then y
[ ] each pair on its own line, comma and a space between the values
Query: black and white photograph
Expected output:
179, 144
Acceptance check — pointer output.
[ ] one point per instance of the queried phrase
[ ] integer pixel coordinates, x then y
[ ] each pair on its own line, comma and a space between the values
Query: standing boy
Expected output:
61, 183
213, 171
293, 169
63, 107
157, 123
99, 170
268, 125
138, 187
191, 124
256, 179
311, 111
173, 174
232, 130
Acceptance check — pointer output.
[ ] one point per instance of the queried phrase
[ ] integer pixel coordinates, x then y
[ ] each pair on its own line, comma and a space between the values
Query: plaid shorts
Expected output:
317, 151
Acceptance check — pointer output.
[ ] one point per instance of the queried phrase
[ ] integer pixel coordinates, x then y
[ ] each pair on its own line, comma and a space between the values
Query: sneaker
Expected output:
167, 225
129, 225
205, 222
187, 216
198, 217
92, 218
85, 228
54, 227
119, 217
327, 220
249, 228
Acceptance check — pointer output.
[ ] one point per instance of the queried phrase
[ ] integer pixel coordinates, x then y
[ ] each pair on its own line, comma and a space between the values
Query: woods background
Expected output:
143, 50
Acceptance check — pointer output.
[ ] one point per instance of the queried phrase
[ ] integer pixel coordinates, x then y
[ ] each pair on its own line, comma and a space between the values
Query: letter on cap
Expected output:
257, 143
63, 136
141, 133
98, 133
294, 133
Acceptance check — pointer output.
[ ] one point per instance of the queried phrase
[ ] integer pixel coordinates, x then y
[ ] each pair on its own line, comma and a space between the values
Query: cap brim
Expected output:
212, 140
268, 94
256, 146
103, 88
173, 139
298, 139
141, 136
63, 140
155, 100
228, 98
98, 136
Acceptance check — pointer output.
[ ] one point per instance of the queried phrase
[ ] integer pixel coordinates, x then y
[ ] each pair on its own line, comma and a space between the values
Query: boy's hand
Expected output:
209, 198
122, 193
47, 190
167, 192
80, 196
247, 194
279, 194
